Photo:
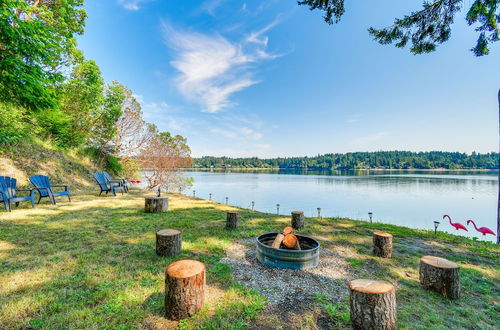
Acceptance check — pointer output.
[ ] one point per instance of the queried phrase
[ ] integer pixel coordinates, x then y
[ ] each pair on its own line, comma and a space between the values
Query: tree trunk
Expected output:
232, 220
373, 304
156, 204
184, 289
440, 275
382, 244
168, 242
297, 219
498, 208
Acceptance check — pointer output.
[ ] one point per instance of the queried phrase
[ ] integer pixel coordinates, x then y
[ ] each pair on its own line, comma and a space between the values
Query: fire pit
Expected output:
306, 257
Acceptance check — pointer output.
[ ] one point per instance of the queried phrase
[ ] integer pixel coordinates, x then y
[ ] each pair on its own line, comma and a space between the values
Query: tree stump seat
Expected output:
297, 219
382, 244
168, 242
154, 204
440, 275
232, 220
185, 286
373, 304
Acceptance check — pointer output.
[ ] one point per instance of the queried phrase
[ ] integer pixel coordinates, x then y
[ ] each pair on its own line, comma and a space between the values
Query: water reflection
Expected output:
410, 198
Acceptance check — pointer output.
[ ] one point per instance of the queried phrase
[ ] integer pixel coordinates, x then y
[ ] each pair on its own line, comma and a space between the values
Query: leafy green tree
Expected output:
81, 100
104, 128
429, 27
36, 38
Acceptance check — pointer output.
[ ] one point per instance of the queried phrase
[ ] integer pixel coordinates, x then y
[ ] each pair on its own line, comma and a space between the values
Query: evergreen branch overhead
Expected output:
429, 27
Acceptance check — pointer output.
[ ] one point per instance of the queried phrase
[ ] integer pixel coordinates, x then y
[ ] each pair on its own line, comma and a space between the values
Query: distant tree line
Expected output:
361, 160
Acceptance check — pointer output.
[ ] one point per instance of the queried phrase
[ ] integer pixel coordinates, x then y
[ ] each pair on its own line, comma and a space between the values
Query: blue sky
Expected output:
270, 78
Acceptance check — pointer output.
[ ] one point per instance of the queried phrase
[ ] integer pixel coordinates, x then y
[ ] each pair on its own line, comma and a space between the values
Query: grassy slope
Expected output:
31, 157
92, 264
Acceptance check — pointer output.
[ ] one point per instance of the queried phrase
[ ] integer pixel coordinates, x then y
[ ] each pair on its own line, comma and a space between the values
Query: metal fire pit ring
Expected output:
283, 258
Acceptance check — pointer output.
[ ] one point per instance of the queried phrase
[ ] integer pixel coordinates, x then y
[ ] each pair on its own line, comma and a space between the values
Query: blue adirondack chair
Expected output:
120, 182
8, 193
106, 185
44, 188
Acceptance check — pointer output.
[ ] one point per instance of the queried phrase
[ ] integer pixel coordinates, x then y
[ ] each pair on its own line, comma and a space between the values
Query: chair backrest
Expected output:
8, 186
107, 176
40, 181
101, 180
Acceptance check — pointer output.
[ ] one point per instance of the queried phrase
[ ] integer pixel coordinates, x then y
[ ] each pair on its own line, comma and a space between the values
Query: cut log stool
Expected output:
156, 204
232, 220
297, 219
440, 275
168, 242
373, 304
184, 289
382, 244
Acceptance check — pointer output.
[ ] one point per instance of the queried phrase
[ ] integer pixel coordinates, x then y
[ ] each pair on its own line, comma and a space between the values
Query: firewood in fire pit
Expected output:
287, 230
290, 241
277, 241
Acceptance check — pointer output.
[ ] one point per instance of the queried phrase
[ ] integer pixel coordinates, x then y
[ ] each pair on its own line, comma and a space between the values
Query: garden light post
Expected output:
210, 196
370, 214
319, 212
253, 204
277, 209
194, 193
436, 225
227, 199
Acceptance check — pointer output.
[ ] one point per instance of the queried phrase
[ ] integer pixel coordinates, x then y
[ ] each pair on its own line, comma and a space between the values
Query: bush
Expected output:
113, 165
13, 125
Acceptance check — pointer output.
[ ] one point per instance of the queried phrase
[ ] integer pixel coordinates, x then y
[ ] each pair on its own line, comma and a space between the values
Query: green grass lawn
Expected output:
91, 264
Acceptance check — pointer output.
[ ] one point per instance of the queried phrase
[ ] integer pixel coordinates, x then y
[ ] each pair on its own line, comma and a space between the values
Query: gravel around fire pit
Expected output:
289, 287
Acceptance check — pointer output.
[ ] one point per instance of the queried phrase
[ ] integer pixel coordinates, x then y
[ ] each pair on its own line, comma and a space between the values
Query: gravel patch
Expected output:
288, 289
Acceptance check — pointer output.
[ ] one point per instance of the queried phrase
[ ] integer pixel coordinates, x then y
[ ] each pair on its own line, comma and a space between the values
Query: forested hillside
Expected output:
50, 92
362, 160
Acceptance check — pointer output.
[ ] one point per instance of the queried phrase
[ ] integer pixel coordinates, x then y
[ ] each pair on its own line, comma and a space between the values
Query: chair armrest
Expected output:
25, 189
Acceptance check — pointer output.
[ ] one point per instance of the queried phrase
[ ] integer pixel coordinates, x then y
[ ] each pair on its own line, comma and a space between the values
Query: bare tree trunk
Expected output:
498, 208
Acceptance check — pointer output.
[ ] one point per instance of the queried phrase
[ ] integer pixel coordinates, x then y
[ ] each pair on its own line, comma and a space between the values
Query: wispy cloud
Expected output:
364, 140
242, 133
132, 4
211, 6
212, 68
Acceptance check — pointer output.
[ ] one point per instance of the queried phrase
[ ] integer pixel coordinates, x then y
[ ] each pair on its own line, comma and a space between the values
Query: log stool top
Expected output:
371, 286
297, 212
185, 268
168, 232
382, 233
438, 262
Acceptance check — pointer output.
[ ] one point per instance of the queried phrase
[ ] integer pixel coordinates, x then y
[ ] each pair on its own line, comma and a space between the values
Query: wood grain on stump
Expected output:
382, 244
155, 204
232, 220
440, 275
184, 289
373, 304
168, 242
297, 219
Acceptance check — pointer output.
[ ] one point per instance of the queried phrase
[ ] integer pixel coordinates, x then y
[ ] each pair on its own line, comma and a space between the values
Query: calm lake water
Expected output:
409, 198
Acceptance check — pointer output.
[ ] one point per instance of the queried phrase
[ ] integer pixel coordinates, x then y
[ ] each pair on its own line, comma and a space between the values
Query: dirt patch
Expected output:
290, 292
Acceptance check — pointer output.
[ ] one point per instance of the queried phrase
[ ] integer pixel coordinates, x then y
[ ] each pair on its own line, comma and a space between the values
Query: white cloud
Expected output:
364, 140
212, 68
132, 4
210, 6
241, 133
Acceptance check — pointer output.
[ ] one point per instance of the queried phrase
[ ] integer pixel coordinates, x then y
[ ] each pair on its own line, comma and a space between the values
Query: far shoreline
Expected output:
354, 169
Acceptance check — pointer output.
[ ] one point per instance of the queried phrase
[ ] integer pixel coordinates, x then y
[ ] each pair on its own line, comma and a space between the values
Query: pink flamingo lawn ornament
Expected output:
457, 225
482, 230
